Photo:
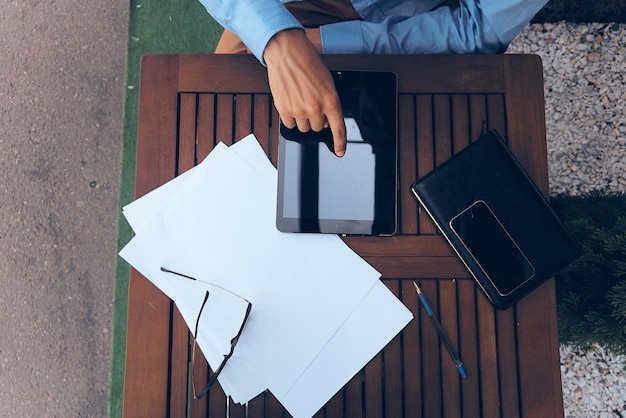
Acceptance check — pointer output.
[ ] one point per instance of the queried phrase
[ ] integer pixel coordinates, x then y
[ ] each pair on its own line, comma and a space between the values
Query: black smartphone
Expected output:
492, 247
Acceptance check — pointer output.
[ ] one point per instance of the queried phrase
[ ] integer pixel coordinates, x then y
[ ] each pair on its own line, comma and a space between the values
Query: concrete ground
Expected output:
62, 73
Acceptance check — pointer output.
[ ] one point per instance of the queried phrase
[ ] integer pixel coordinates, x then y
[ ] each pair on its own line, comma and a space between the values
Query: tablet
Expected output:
355, 194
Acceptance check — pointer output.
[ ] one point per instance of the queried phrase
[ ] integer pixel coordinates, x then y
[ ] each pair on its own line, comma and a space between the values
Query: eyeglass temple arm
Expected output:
233, 343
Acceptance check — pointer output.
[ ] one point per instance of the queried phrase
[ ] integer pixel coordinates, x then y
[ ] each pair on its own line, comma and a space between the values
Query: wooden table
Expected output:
188, 102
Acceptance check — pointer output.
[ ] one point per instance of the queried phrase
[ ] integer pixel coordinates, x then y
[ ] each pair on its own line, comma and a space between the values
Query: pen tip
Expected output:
417, 288
461, 370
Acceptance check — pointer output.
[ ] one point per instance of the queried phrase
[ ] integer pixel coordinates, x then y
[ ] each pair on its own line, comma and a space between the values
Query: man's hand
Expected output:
303, 89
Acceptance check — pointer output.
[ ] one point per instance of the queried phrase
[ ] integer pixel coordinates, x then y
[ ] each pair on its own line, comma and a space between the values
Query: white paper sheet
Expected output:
316, 304
374, 322
238, 382
302, 287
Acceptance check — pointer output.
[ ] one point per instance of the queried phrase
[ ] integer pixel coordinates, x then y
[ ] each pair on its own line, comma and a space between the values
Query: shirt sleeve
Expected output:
486, 26
254, 21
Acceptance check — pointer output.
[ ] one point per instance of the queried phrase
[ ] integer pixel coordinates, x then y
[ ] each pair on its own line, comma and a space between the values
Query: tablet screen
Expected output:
355, 194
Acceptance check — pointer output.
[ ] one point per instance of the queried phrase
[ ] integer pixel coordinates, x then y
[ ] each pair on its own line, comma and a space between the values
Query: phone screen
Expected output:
492, 247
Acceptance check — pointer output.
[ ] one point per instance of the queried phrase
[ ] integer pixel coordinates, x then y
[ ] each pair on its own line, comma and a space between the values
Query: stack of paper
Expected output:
319, 311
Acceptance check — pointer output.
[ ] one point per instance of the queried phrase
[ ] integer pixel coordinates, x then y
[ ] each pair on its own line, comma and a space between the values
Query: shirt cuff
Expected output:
342, 38
256, 26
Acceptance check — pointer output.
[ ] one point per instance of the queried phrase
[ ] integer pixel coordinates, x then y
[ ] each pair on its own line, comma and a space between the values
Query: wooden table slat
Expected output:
392, 377
477, 116
496, 117
507, 363
353, 392
243, 115
448, 317
373, 394
425, 151
469, 348
461, 134
407, 157
205, 129
224, 123
432, 385
146, 382
487, 359
411, 354
262, 120
187, 132
441, 126
178, 367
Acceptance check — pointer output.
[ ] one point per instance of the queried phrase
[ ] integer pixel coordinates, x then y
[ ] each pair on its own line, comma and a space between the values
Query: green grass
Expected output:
183, 26
176, 26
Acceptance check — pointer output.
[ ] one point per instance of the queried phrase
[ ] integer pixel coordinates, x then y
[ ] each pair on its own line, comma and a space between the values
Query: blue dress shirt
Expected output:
388, 26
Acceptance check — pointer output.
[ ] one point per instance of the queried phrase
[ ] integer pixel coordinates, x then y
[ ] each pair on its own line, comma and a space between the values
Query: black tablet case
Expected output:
486, 171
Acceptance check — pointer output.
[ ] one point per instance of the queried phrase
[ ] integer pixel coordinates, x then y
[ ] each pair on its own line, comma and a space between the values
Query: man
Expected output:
287, 37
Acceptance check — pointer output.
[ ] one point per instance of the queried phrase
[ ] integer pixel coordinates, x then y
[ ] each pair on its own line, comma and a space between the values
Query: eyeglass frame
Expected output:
233, 341
233, 344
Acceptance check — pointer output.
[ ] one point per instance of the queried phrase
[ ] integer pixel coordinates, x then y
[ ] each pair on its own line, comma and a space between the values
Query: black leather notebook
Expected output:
496, 220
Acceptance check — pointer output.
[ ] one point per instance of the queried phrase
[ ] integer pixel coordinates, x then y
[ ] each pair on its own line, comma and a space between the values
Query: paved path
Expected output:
62, 70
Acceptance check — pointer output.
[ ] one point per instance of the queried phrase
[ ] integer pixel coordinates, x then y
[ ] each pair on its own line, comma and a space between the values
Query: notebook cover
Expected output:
485, 181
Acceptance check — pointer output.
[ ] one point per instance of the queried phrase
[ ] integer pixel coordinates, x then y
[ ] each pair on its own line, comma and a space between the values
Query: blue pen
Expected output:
442, 333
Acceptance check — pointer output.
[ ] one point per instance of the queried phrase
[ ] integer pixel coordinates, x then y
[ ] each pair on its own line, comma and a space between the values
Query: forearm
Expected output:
486, 26
255, 22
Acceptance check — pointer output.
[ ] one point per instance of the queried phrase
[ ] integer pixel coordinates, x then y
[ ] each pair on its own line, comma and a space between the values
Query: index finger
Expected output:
338, 129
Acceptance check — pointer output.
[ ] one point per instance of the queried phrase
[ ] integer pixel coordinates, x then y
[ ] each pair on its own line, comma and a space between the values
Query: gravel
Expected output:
594, 382
585, 93
584, 72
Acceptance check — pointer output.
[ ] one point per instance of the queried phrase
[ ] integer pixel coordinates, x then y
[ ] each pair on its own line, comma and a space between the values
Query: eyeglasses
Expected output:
233, 342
